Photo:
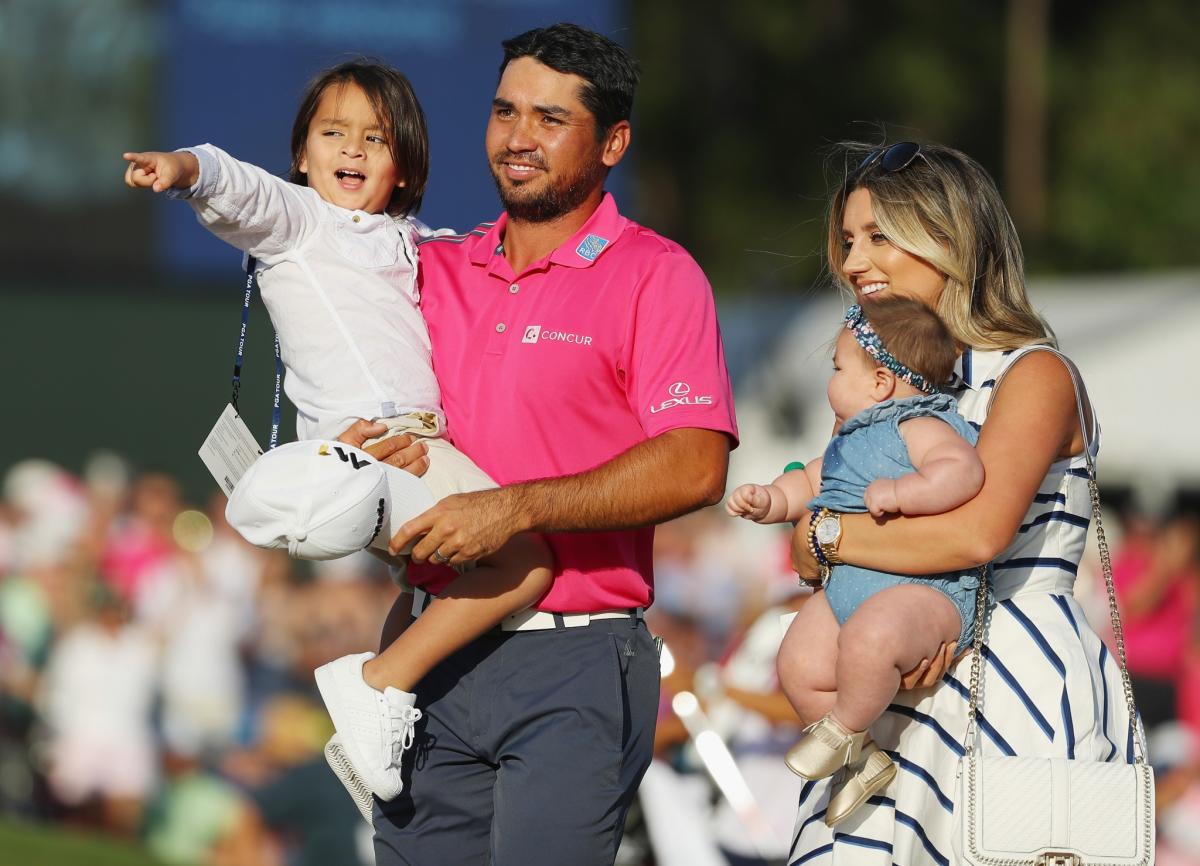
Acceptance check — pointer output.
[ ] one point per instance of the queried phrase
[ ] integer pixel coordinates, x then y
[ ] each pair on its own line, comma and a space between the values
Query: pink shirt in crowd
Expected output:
610, 340
1156, 642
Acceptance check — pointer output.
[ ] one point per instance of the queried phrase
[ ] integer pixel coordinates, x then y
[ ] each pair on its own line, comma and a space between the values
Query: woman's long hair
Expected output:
945, 209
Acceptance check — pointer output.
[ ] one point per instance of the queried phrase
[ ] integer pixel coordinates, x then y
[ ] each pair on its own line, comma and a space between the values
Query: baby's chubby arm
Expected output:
949, 472
784, 499
240, 203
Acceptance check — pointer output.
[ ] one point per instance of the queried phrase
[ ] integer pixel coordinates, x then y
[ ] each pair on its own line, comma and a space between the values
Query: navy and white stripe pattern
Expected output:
1050, 689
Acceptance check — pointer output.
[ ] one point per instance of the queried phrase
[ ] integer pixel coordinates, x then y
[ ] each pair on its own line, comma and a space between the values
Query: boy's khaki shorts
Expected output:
450, 471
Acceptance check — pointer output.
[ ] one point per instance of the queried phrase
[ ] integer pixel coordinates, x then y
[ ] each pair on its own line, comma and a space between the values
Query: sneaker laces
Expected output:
401, 726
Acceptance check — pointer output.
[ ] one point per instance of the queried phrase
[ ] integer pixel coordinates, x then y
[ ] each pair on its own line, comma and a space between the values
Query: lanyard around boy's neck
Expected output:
276, 412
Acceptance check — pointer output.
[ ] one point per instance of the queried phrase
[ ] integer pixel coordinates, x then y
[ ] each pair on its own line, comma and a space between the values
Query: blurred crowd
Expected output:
156, 672
156, 677
1156, 569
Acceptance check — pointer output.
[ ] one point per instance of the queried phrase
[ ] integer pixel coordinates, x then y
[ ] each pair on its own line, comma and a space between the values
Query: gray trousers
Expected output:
530, 750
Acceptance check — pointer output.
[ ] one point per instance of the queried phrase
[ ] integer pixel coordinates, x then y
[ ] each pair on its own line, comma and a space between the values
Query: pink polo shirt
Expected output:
610, 340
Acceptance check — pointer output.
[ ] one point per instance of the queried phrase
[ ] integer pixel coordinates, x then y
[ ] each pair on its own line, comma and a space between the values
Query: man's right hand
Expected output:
159, 171
404, 451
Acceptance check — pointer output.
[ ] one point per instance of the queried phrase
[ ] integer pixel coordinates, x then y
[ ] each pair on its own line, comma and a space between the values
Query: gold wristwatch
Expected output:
827, 531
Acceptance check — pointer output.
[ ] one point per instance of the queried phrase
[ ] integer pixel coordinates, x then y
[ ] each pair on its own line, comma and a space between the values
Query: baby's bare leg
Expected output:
808, 659
889, 634
511, 579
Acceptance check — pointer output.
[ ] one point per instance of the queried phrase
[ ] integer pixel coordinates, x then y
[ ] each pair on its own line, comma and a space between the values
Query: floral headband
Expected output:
864, 333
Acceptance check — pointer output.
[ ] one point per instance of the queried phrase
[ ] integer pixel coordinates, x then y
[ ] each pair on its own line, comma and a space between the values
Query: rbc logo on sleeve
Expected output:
590, 247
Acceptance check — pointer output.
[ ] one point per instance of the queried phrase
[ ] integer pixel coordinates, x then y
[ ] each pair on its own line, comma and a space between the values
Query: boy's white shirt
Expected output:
341, 289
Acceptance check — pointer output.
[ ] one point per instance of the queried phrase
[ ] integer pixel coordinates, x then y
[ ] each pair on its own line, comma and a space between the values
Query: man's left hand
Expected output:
460, 528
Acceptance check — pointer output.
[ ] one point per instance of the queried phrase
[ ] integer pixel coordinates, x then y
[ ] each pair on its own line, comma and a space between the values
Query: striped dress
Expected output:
1051, 688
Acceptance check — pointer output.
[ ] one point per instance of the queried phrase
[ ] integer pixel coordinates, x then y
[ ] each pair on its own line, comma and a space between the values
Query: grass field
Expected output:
44, 845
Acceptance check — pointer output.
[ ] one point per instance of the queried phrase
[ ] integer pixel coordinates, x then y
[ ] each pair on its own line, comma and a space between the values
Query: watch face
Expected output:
828, 530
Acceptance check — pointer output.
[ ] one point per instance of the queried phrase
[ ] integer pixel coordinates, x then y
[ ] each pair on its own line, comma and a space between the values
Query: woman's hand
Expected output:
930, 671
404, 451
802, 558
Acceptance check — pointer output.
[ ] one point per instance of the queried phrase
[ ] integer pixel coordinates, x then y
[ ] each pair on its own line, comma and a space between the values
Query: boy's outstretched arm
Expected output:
239, 202
949, 472
159, 171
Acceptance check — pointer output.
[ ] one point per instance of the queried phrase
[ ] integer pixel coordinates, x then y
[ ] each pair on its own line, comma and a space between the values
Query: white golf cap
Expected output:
318, 499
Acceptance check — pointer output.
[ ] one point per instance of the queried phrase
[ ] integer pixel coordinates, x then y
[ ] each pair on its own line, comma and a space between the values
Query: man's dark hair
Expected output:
391, 95
609, 73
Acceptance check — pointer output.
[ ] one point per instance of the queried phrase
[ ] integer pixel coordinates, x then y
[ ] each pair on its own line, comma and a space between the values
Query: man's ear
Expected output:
885, 384
616, 142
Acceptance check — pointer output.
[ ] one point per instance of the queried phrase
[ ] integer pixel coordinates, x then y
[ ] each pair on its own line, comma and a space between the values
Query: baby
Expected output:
337, 262
899, 448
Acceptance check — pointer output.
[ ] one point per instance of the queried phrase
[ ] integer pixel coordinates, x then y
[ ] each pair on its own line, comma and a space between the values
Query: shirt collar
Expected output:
581, 250
484, 240
594, 237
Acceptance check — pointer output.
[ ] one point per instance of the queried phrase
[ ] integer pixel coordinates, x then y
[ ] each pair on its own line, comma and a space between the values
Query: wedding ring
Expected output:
438, 556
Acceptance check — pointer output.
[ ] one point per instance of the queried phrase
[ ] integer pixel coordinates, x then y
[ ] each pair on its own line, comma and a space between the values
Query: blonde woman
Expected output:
926, 221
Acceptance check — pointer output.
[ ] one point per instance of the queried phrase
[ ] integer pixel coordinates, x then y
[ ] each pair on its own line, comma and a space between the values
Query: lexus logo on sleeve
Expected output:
680, 396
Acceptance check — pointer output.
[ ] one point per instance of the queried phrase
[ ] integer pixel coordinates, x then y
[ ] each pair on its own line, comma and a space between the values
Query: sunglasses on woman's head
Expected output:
897, 157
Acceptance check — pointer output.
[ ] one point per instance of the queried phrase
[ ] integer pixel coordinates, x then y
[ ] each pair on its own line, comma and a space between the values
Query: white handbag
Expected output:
1027, 811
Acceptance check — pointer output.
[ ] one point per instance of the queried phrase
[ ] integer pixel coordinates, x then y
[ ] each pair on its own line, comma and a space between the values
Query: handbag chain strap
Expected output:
983, 615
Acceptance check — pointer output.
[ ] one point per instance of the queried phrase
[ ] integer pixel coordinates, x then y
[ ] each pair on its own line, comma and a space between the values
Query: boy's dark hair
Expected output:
399, 113
915, 334
609, 73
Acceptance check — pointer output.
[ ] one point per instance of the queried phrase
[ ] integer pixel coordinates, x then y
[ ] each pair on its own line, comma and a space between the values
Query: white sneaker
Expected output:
375, 728
335, 757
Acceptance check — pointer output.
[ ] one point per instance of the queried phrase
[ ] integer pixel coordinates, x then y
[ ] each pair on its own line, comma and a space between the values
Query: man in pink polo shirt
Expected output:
581, 367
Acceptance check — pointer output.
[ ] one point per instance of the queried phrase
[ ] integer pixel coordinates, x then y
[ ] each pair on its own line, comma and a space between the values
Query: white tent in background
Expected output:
1136, 340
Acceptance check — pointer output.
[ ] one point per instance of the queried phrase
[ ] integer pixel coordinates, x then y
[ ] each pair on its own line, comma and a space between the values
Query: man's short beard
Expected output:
554, 200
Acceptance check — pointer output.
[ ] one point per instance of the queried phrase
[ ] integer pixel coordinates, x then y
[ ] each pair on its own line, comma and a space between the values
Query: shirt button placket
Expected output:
497, 343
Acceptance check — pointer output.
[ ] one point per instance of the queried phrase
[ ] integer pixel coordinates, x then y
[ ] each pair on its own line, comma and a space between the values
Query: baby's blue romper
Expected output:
870, 446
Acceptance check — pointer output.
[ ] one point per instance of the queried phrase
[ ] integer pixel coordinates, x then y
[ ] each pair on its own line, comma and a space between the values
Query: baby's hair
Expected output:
391, 95
914, 334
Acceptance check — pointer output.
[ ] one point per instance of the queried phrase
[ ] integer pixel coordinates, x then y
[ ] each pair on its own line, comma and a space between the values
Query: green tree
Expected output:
740, 103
